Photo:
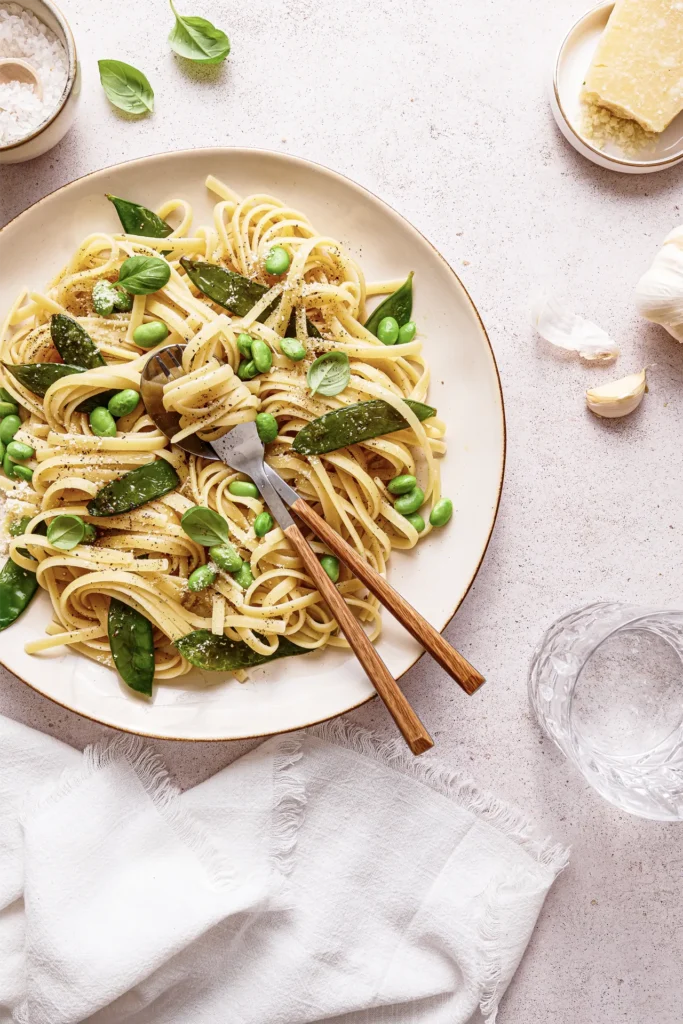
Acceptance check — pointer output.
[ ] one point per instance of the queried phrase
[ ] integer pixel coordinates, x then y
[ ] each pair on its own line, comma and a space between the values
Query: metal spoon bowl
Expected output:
162, 366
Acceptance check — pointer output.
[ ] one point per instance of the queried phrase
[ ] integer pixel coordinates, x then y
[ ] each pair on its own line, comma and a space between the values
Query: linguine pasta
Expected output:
144, 557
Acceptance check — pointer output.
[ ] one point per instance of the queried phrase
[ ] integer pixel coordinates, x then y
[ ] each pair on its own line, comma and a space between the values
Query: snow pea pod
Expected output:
73, 342
38, 377
146, 483
236, 293
398, 305
214, 653
354, 423
132, 646
138, 220
17, 587
20, 526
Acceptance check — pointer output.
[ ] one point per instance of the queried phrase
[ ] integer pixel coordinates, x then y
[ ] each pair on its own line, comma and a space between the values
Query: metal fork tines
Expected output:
162, 360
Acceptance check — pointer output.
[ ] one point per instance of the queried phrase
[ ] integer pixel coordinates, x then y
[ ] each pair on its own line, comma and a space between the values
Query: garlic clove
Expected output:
619, 398
659, 293
566, 330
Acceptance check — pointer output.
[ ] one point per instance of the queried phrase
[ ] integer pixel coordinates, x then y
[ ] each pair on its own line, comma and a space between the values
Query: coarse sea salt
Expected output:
23, 35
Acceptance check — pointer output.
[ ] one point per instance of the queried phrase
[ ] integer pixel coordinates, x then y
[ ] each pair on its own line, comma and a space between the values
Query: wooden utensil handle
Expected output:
450, 660
412, 729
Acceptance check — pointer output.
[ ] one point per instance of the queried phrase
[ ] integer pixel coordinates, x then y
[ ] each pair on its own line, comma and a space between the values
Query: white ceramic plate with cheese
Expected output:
572, 62
464, 387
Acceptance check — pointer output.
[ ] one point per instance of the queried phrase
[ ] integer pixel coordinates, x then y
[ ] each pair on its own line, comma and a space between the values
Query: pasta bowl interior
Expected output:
268, 270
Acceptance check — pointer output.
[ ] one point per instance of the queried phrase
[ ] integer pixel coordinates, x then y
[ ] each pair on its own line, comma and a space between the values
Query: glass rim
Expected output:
643, 613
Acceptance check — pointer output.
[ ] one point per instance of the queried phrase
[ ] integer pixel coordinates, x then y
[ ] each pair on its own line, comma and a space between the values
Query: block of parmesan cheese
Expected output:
637, 70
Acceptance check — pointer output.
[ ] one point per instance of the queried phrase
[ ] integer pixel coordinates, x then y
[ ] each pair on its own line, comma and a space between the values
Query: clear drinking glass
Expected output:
606, 683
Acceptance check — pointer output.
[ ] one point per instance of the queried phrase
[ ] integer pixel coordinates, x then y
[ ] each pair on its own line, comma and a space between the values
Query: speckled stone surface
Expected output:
440, 108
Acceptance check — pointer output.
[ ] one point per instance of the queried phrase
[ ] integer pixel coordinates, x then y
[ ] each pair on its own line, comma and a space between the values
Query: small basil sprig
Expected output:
142, 275
204, 526
66, 532
126, 87
329, 374
197, 39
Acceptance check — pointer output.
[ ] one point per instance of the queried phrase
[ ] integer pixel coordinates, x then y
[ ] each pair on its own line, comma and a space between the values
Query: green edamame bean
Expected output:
442, 512
331, 566
102, 422
410, 502
123, 403
277, 261
263, 524
402, 484
407, 332
416, 520
8, 428
202, 577
104, 295
293, 349
244, 342
262, 355
23, 472
225, 557
2, 451
151, 334
387, 331
8, 466
244, 575
8, 409
123, 301
266, 424
20, 452
247, 370
243, 489
6, 397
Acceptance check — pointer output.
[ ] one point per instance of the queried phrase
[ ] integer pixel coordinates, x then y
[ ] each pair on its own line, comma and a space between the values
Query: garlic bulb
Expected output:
618, 398
565, 329
659, 293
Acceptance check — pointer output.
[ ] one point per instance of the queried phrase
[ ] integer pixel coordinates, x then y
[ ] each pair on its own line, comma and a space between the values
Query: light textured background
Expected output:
440, 108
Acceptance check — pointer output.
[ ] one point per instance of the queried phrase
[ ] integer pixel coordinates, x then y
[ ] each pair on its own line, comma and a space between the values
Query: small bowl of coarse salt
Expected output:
39, 79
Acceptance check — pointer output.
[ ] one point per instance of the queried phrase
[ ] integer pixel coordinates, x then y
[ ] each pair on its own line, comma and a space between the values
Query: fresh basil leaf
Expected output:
142, 275
66, 532
197, 39
126, 87
329, 374
204, 526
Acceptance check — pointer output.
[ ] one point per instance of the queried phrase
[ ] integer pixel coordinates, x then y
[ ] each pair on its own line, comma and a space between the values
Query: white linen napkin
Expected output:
324, 876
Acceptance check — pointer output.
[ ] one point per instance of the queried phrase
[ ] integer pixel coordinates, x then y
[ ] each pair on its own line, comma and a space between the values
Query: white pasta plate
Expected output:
465, 388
